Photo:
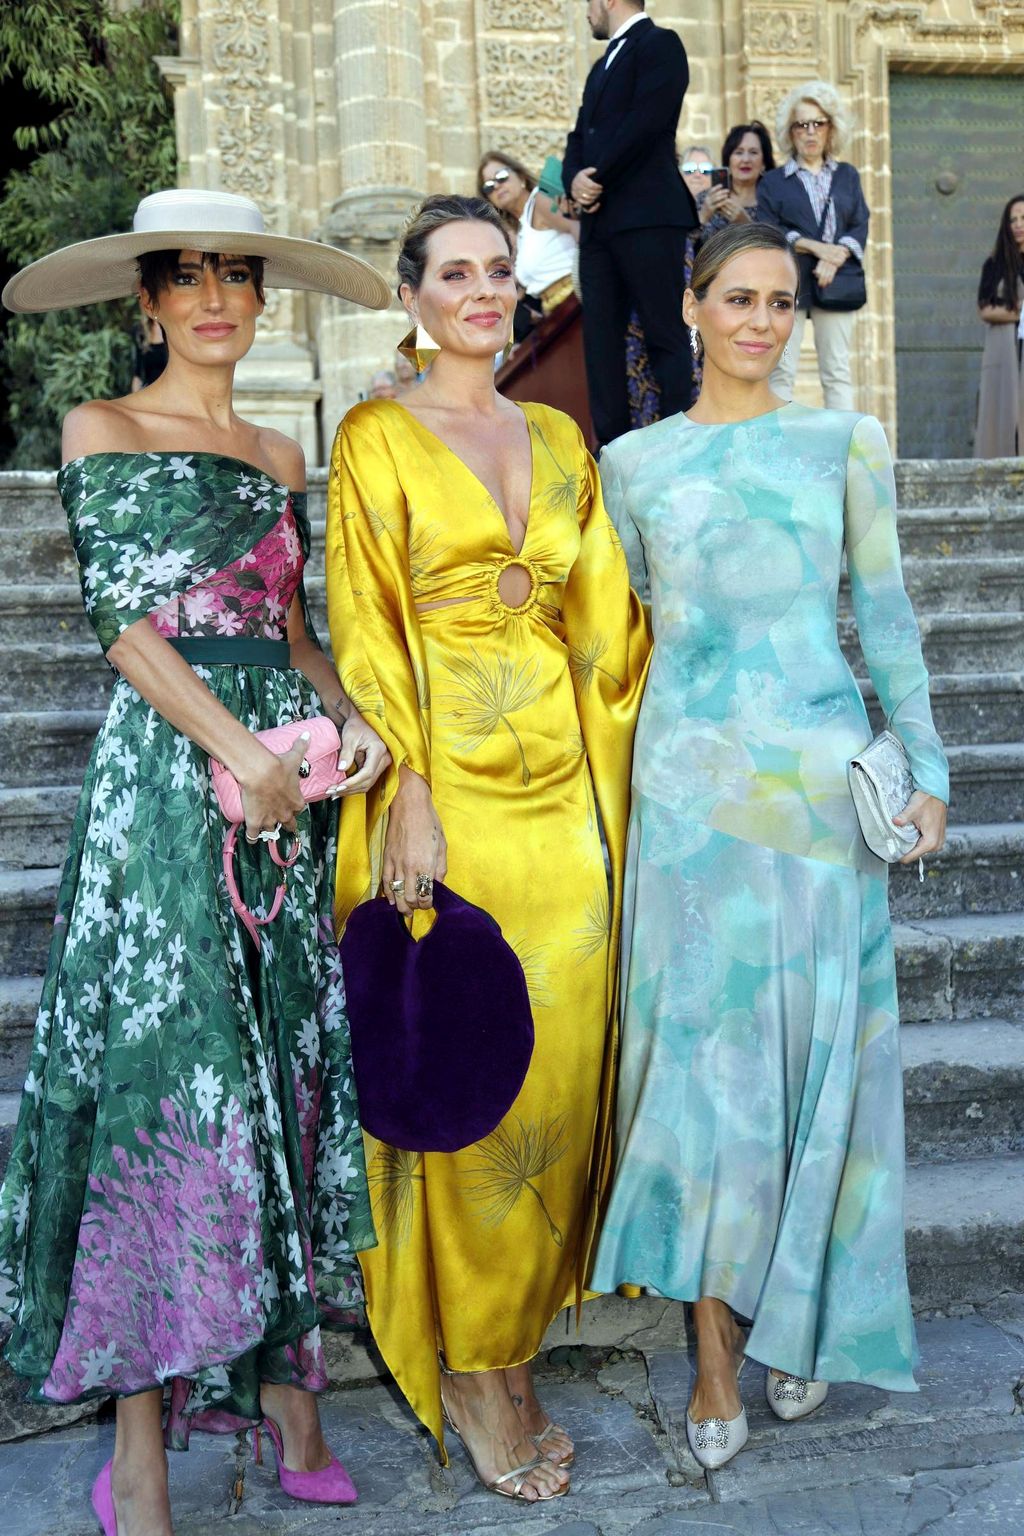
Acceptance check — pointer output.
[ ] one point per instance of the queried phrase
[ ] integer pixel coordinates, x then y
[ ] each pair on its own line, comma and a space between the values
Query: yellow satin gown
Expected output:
516, 717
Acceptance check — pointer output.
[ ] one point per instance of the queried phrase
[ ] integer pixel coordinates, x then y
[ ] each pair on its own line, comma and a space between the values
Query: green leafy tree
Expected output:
109, 142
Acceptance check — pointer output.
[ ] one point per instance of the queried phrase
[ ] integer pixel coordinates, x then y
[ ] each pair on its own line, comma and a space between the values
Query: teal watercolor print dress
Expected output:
186, 1191
759, 1151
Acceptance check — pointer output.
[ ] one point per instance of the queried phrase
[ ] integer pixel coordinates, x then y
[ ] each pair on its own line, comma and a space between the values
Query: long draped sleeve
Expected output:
375, 635
889, 636
609, 642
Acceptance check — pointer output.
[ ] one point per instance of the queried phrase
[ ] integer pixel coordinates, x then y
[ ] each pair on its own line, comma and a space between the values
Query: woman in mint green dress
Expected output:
759, 1158
186, 1191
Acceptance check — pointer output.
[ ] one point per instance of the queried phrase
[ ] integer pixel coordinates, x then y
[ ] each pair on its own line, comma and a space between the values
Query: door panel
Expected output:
968, 130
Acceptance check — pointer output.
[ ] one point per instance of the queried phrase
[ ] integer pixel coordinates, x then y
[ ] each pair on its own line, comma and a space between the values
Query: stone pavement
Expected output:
948, 1461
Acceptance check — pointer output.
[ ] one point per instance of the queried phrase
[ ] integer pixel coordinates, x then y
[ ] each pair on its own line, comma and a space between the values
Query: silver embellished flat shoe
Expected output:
716, 1441
793, 1397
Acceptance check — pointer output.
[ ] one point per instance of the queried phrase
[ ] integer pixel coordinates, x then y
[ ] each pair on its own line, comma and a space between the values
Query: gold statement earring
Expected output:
419, 348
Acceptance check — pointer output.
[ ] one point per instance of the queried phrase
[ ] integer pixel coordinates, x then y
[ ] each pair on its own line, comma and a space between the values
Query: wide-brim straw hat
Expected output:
93, 271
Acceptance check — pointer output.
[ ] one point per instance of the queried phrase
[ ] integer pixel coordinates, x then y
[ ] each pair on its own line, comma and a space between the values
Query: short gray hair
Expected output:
831, 103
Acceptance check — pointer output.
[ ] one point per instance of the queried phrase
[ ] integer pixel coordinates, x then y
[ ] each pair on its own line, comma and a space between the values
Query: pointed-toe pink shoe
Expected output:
330, 1485
103, 1501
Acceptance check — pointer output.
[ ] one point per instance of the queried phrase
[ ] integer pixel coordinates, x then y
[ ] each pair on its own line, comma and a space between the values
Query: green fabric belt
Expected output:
228, 651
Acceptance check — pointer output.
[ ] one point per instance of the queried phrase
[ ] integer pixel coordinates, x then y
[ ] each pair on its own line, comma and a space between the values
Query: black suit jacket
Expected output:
626, 127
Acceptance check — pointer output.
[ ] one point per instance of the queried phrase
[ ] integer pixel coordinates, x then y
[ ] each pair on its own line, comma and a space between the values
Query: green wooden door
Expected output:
957, 156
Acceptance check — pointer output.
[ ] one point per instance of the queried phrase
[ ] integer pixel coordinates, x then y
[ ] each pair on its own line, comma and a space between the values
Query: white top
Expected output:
542, 255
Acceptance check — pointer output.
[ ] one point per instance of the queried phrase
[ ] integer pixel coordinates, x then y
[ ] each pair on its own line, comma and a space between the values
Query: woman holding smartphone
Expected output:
731, 198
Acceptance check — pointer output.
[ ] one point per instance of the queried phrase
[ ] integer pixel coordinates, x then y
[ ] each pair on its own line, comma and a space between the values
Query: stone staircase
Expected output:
959, 936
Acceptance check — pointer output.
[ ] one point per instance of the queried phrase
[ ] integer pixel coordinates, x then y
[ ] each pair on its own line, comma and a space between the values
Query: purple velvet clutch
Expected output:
442, 1031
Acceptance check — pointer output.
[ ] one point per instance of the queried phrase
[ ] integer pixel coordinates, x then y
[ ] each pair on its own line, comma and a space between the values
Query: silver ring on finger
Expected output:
398, 886
424, 887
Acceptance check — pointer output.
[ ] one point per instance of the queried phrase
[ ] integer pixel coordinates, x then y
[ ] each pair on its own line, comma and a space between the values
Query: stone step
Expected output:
966, 583
19, 1002
36, 554
960, 483
28, 901
987, 782
957, 642
981, 869
35, 824
31, 611
964, 967
48, 746
965, 1230
963, 1087
40, 674
976, 707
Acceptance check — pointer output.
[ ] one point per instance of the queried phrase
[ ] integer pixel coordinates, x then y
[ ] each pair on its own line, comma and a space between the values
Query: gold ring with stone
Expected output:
397, 886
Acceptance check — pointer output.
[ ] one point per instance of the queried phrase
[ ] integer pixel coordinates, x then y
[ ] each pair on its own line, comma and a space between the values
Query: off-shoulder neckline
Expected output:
178, 453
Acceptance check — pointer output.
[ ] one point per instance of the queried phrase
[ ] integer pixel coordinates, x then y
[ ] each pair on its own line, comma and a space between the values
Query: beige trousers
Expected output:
833, 332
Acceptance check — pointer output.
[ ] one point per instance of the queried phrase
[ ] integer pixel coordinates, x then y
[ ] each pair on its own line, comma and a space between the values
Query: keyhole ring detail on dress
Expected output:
515, 584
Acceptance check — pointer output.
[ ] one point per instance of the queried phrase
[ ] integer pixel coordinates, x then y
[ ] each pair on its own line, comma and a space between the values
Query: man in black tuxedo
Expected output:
620, 170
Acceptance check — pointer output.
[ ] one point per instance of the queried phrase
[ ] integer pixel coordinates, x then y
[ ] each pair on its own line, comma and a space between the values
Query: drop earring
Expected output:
418, 347
696, 345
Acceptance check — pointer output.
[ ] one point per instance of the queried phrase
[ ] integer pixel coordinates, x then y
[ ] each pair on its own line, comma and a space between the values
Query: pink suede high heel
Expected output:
103, 1501
329, 1485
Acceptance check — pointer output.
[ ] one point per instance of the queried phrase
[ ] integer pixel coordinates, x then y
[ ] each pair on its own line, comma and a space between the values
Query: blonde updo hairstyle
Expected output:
832, 106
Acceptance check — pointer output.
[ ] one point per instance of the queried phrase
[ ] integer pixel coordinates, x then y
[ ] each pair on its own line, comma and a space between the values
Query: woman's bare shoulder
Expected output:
100, 426
284, 456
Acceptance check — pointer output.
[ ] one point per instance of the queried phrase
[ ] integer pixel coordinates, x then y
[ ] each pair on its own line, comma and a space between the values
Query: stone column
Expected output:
382, 173
235, 111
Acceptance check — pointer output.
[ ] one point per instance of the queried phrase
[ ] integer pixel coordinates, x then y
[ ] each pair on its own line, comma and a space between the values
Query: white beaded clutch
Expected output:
881, 785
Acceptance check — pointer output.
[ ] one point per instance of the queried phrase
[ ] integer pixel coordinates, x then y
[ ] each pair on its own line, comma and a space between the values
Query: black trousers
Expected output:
642, 270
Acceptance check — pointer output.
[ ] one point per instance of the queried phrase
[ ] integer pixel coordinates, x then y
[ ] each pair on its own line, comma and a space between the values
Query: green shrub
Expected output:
109, 142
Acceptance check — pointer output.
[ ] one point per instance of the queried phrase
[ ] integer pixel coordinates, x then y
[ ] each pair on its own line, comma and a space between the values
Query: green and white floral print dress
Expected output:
186, 1192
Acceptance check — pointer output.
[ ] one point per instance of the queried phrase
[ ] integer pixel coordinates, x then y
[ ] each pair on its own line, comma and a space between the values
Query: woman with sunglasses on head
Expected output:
817, 201
546, 241
747, 156
481, 615
187, 1186
759, 1159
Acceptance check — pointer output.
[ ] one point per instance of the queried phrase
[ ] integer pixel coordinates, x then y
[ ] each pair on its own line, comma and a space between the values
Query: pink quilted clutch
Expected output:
318, 772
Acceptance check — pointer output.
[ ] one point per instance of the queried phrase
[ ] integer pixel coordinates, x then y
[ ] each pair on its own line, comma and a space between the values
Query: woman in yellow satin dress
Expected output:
481, 617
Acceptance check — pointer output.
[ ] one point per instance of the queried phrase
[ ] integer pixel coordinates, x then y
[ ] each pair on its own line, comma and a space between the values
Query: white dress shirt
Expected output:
613, 49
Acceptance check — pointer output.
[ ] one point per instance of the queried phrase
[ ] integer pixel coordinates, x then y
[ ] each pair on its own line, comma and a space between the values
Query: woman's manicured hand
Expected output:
363, 756
928, 815
415, 845
271, 794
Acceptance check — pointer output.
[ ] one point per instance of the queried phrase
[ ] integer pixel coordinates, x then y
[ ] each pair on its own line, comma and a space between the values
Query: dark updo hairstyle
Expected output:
434, 213
713, 253
156, 269
509, 162
735, 137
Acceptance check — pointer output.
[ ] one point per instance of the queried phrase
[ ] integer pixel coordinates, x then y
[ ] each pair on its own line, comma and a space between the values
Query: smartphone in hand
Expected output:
720, 177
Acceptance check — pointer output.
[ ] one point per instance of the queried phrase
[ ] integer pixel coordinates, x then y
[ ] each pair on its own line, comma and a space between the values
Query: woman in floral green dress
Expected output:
186, 1192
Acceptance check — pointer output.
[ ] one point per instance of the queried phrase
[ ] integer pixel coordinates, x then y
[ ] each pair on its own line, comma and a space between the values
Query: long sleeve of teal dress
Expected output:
889, 635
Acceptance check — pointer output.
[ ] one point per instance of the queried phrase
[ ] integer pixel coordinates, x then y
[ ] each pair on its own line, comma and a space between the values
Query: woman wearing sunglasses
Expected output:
817, 202
546, 240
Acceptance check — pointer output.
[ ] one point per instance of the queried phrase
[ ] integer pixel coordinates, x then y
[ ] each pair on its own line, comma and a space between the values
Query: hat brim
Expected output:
94, 271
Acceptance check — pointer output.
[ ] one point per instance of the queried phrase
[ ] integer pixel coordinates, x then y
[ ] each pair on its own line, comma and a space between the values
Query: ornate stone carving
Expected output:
524, 15
241, 56
530, 145
371, 217
526, 80
770, 31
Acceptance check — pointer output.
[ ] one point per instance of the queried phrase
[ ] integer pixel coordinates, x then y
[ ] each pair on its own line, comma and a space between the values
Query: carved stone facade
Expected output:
338, 115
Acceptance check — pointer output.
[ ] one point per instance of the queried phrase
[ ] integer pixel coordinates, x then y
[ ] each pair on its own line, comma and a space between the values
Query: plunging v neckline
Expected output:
474, 476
